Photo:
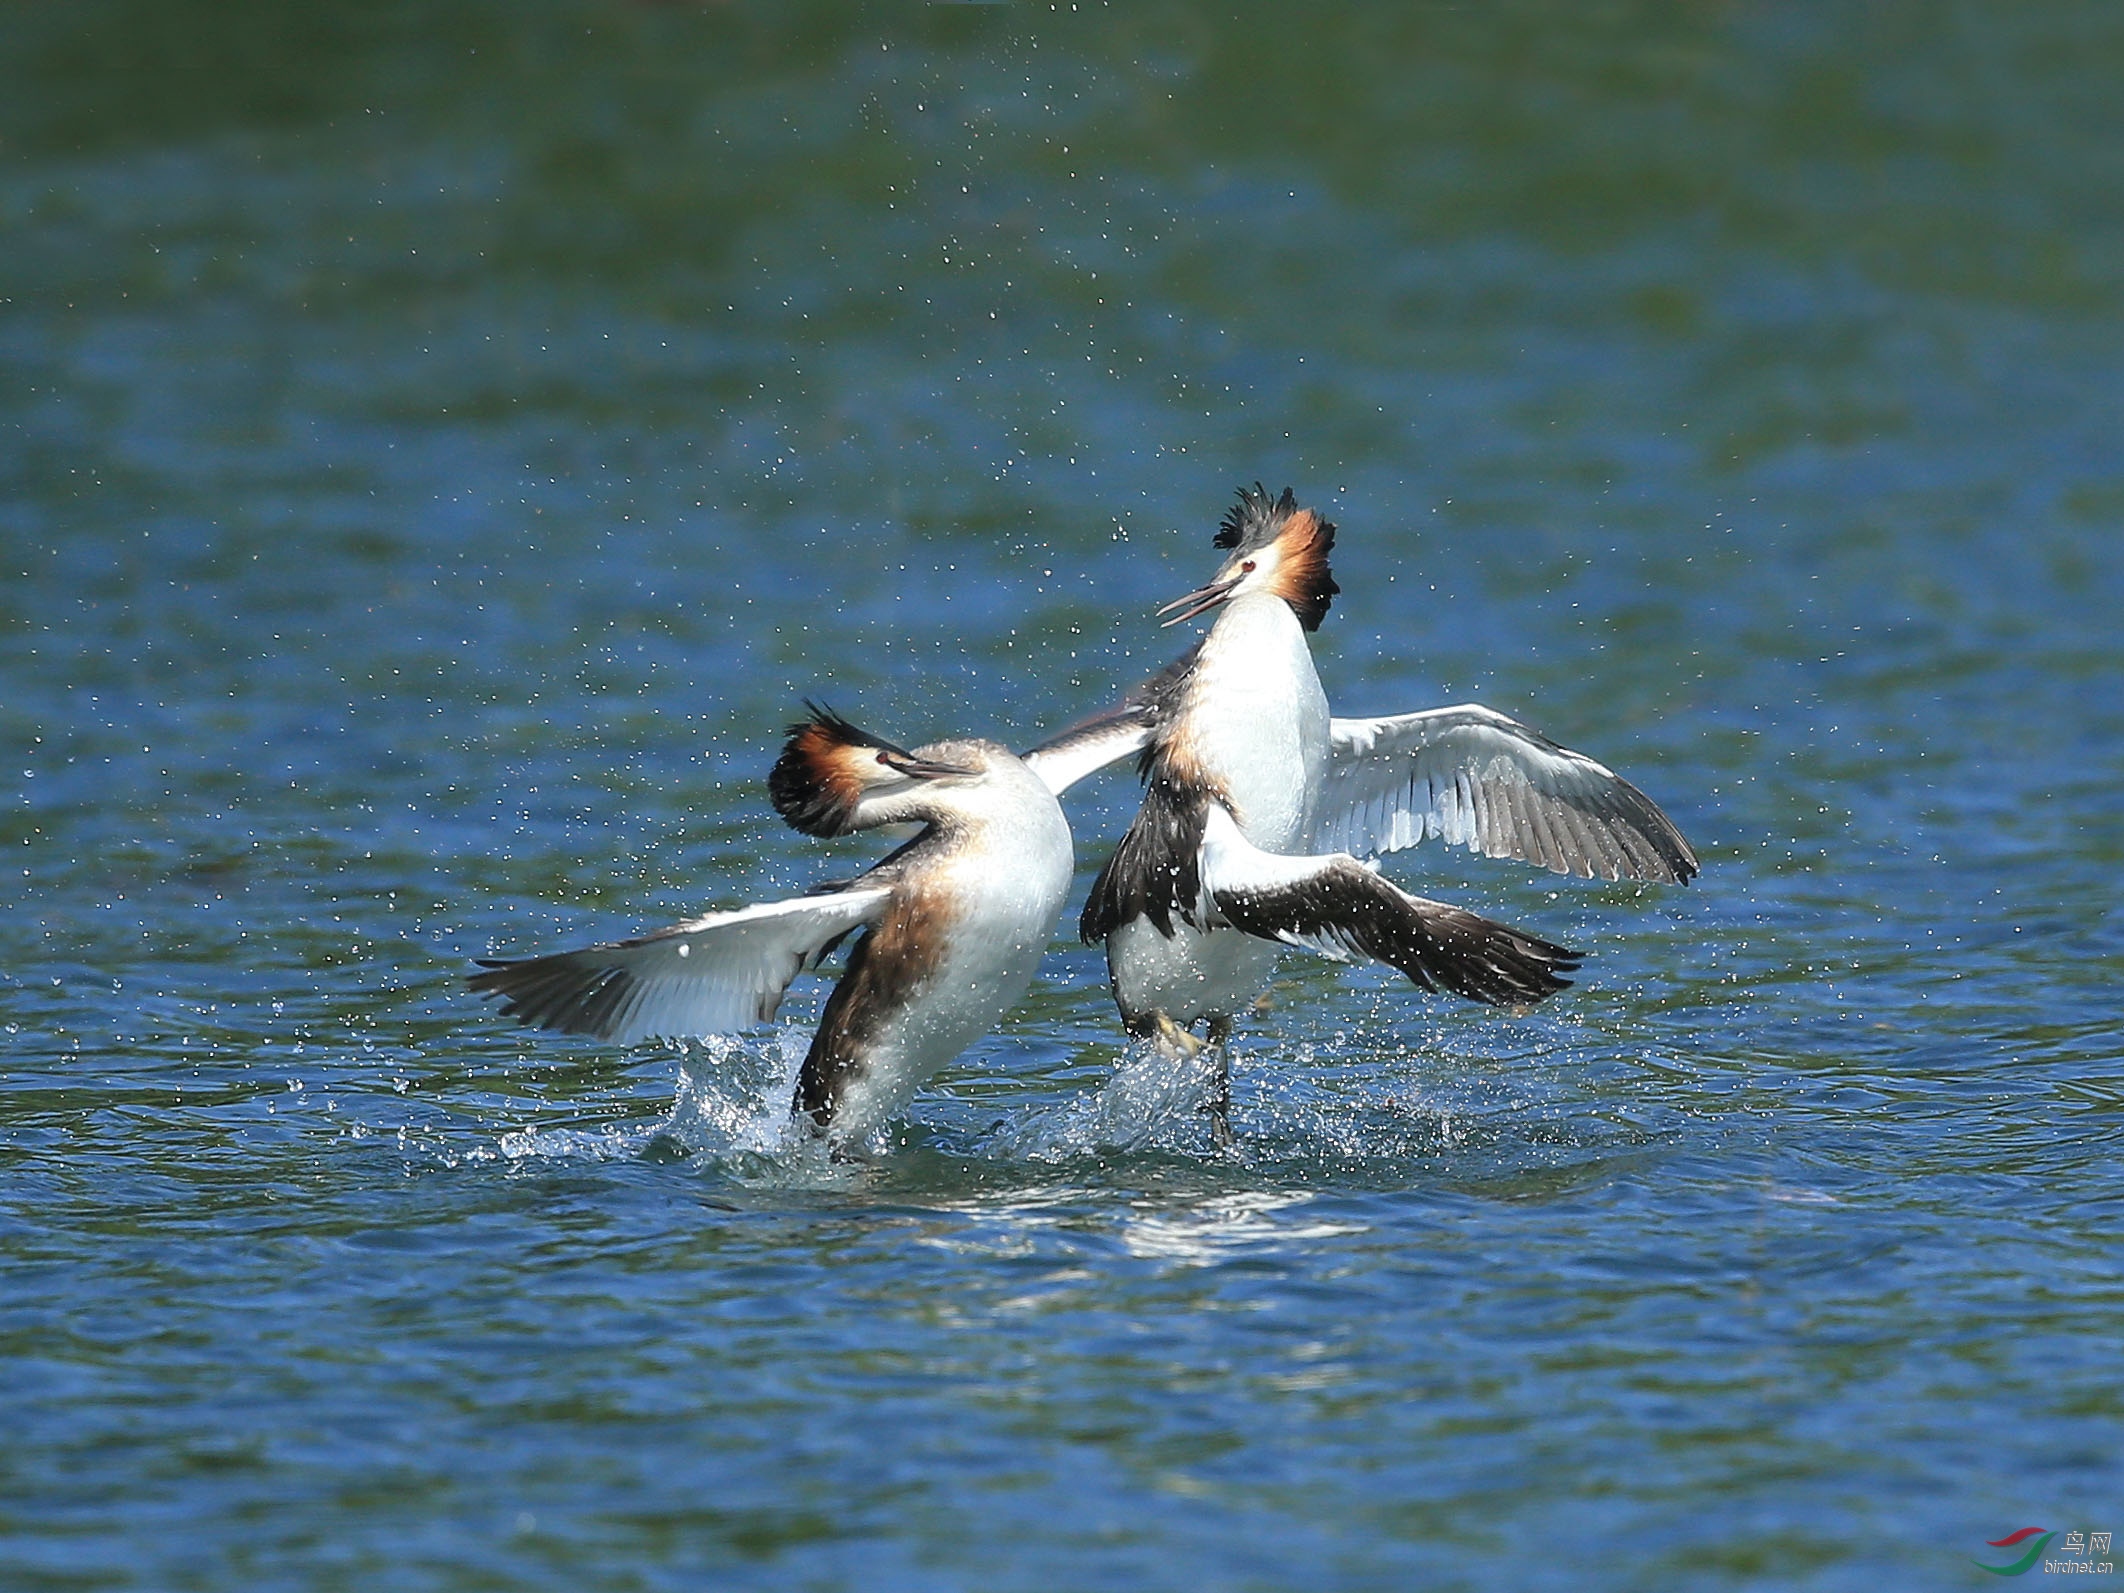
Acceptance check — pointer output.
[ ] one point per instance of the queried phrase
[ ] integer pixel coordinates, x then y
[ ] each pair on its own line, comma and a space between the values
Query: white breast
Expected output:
1257, 720
1006, 880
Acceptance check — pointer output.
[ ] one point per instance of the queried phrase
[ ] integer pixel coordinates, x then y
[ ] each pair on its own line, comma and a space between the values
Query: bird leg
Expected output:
1176, 1043
1219, 1104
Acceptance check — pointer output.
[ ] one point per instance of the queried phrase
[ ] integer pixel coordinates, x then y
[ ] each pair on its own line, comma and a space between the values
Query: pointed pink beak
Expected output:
919, 768
1199, 601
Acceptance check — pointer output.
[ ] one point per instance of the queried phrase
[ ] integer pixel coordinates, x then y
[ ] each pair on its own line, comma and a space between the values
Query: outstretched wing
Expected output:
1085, 748
1475, 778
1336, 906
706, 976
1091, 744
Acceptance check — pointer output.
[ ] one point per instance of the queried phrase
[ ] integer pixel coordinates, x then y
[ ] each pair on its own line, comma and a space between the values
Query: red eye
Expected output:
1247, 568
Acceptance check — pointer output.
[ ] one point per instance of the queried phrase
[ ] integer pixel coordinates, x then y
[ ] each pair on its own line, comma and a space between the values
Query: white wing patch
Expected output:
708, 975
1069, 757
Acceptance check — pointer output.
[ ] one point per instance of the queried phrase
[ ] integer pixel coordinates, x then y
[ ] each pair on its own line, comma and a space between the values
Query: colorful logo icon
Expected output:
2026, 1561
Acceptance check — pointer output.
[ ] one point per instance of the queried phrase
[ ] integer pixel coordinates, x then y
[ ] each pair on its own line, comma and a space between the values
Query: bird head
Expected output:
1276, 548
833, 778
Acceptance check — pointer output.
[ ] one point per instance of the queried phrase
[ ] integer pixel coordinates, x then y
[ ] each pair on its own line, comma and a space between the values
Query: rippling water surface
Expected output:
441, 450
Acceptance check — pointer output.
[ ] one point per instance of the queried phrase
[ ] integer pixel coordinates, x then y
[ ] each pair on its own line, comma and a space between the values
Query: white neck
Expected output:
1256, 719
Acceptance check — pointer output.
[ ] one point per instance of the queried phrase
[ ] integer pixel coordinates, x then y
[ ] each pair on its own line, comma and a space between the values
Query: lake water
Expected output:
441, 450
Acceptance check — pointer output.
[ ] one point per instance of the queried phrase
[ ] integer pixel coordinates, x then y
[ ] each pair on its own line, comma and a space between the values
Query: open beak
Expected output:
1199, 601
919, 768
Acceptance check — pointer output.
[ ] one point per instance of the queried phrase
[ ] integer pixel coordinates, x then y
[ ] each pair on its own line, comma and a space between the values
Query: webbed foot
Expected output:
1173, 1040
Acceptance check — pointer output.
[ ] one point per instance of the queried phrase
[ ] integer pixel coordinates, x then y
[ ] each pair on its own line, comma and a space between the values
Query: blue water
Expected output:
439, 454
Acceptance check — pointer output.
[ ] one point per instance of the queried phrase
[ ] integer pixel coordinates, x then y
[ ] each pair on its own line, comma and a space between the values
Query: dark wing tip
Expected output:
1439, 947
1498, 965
1594, 825
566, 991
1673, 860
1451, 948
1683, 861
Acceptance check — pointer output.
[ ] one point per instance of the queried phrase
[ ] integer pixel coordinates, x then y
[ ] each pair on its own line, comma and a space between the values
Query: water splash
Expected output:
733, 1096
1151, 1101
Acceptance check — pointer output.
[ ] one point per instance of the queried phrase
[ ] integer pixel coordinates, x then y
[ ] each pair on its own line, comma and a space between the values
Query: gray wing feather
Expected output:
1469, 776
709, 975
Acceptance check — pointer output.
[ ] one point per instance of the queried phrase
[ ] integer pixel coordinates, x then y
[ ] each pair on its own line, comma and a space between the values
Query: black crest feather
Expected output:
836, 727
1255, 519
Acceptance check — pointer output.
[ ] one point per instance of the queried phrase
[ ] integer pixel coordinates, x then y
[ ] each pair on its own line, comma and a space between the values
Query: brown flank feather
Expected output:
885, 968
